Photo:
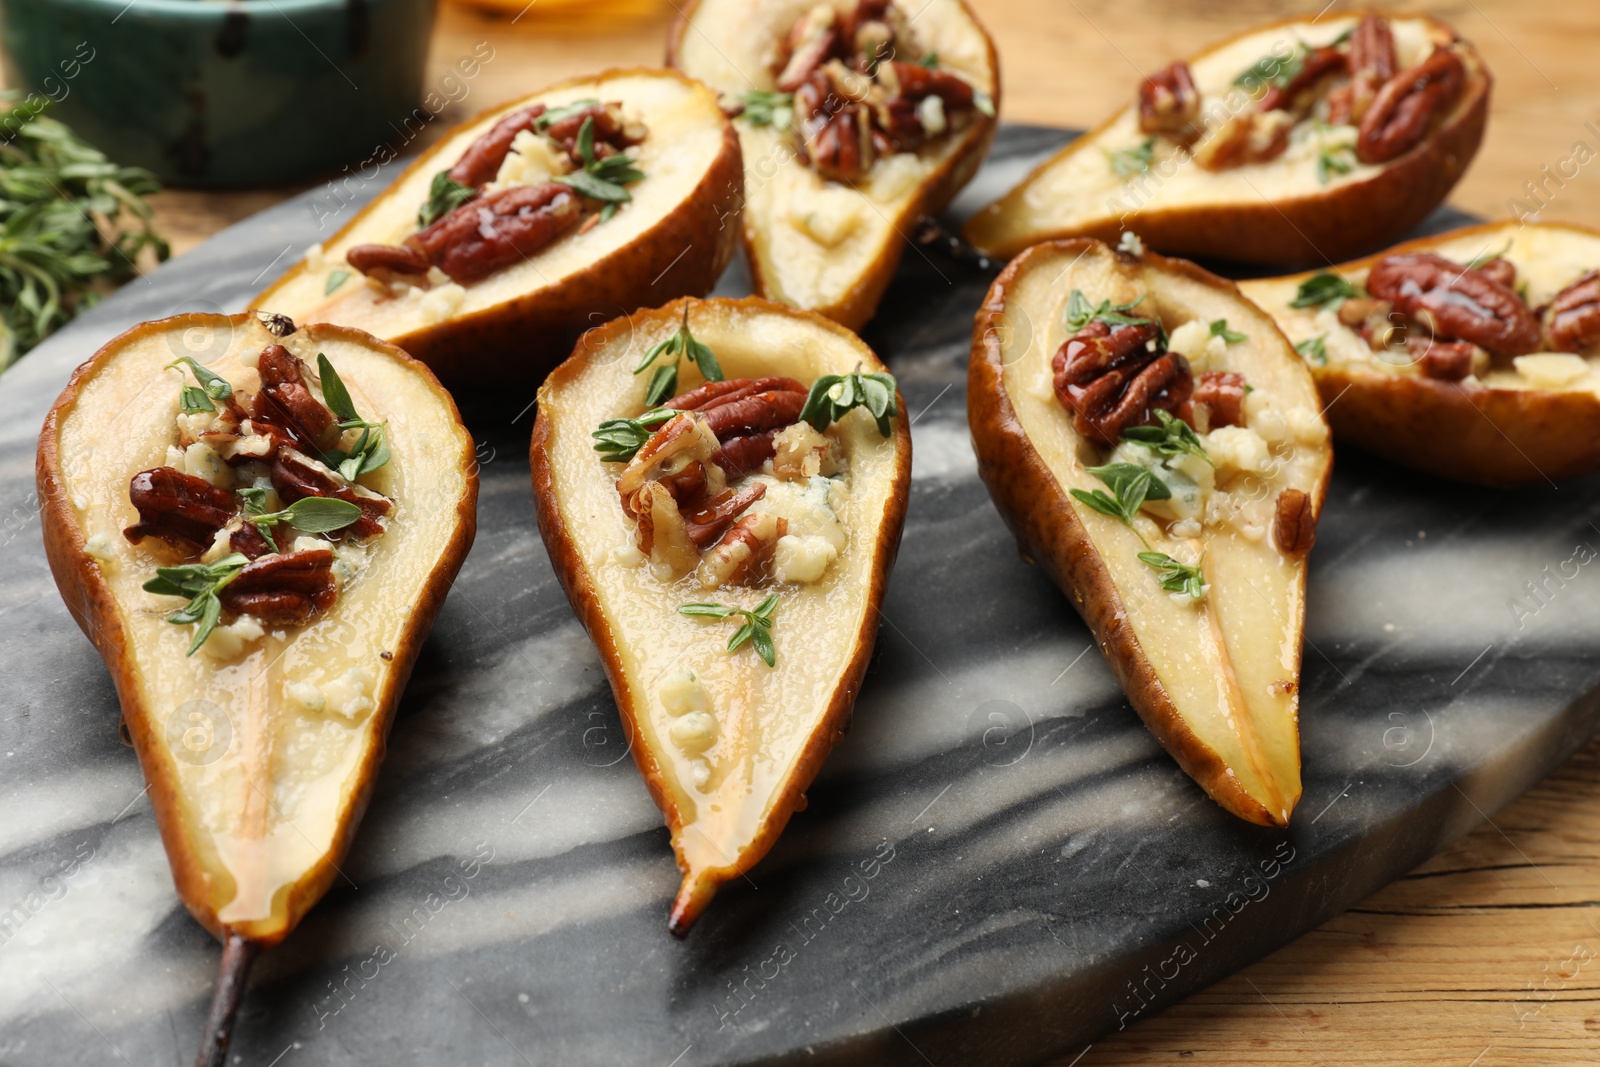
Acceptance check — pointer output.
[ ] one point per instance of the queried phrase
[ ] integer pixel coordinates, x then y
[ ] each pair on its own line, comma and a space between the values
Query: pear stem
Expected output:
238, 953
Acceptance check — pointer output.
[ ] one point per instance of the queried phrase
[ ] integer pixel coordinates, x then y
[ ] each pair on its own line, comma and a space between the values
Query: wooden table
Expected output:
1490, 953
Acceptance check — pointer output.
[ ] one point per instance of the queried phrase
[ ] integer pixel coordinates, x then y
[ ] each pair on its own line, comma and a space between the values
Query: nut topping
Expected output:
738, 558
295, 475
286, 402
184, 511
283, 590
1112, 378
1372, 63
1320, 64
1455, 303
493, 232
853, 101
1169, 104
1405, 107
1222, 395
1294, 526
1572, 323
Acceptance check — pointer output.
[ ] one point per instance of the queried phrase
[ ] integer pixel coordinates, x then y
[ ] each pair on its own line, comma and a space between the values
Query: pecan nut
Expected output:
710, 394
1253, 137
810, 42
387, 263
286, 401
835, 131
295, 475
1372, 63
182, 510
708, 522
1405, 107
1572, 323
1293, 94
1222, 394
1112, 378
739, 557
1169, 104
1455, 303
1446, 361
743, 454
283, 590
1294, 525
482, 159
495, 231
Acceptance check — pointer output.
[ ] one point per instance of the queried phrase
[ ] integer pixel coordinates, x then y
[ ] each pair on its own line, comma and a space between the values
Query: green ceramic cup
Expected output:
219, 93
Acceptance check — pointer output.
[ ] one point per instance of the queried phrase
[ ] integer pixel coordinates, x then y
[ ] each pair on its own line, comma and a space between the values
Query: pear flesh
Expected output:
830, 246
260, 754
727, 744
1216, 678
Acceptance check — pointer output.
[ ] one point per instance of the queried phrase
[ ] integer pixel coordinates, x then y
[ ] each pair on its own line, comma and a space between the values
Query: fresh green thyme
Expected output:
1169, 437
335, 279
309, 514
1314, 349
1129, 162
763, 107
832, 395
601, 179
1325, 289
1176, 577
1130, 484
664, 379
72, 225
757, 628
619, 440
444, 196
194, 399
371, 449
1220, 329
202, 583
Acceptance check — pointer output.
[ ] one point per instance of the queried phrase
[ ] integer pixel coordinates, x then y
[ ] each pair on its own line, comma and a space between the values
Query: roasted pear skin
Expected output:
241, 872
1239, 740
822, 649
1500, 429
513, 326
718, 41
1349, 215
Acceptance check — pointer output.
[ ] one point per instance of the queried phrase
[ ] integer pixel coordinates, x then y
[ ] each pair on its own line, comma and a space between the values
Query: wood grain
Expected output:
1489, 954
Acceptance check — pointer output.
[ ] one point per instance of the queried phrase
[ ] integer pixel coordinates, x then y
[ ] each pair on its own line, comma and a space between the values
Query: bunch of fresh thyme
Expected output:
72, 225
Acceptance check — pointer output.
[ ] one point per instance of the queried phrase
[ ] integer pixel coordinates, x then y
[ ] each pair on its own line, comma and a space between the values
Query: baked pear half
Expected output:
857, 117
533, 222
1474, 355
1156, 446
725, 536
255, 525
1302, 141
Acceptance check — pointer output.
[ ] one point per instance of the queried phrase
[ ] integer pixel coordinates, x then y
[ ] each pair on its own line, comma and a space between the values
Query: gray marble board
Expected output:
998, 863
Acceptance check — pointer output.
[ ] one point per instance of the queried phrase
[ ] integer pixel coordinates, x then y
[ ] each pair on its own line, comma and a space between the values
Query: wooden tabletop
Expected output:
1490, 953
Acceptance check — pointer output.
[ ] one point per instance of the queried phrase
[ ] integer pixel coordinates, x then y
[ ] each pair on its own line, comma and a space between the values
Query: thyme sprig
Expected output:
1325, 289
194, 399
309, 514
834, 395
664, 380
202, 583
72, 225
1169, 437
757, 628
371, 449
601, 178
619, 440
1175, 576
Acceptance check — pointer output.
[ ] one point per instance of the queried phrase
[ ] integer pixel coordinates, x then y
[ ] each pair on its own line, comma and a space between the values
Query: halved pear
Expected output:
1216, 678
257, 779
1288, 210
829, 246
1525, 420
727, 803
673, 238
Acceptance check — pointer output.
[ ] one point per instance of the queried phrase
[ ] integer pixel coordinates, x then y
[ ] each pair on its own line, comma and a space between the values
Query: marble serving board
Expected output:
997, 864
